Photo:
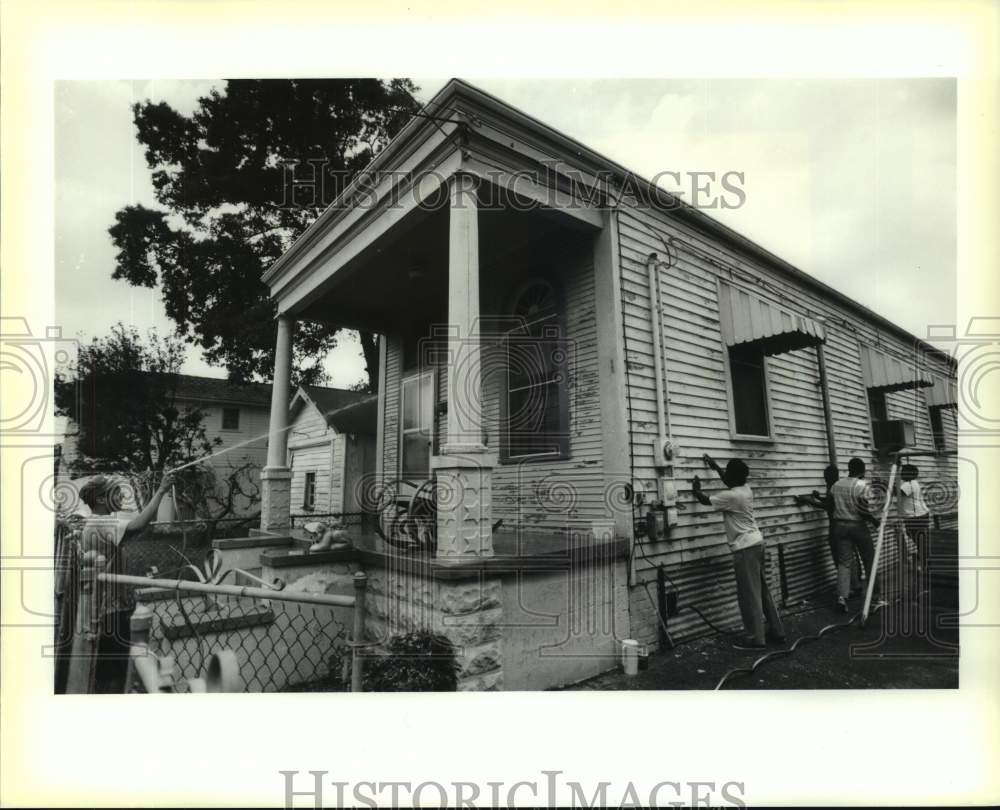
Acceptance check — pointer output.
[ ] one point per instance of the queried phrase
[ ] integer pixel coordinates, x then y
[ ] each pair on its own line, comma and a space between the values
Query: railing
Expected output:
188, 636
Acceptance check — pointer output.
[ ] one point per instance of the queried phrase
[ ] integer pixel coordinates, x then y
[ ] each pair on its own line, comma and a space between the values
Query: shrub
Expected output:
420, 661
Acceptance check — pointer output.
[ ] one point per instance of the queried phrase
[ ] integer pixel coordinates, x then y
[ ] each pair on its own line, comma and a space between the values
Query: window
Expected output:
937, 429
535, 413
876, 405
309, 491
748, 379
416, 436
879, 415
230, 418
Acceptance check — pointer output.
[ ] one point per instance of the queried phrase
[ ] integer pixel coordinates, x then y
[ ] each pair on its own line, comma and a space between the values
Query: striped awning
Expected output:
943, 394
749, 319
883, 372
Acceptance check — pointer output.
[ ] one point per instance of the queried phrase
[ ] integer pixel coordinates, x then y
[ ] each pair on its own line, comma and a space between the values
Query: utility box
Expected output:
663, 452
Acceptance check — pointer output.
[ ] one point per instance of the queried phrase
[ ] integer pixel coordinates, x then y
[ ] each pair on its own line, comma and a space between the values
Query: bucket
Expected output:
630, 656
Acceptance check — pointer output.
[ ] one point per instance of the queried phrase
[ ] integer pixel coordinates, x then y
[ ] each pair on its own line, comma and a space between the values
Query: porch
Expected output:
491, 286
492, 403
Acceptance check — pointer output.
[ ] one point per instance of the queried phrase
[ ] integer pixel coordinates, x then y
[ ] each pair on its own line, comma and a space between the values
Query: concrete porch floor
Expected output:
895, 659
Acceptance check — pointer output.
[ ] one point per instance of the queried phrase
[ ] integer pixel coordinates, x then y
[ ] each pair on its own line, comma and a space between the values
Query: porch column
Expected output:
276, 477
464, 468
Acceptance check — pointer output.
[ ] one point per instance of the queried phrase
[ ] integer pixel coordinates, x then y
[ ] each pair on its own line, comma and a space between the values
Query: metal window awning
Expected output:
943, 394
883, 372
746, 318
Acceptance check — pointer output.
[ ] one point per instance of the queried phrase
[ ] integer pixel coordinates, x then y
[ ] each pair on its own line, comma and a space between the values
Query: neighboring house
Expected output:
233, 414
331, 449
560, 344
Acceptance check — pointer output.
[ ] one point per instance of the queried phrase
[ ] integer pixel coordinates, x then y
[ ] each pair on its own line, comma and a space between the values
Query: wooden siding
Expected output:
315, 447
551, 494
698, 411
545, 494
359, 466
390, 427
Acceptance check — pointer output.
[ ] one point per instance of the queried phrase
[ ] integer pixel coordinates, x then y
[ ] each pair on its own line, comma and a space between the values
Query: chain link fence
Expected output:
273, 640
280, 645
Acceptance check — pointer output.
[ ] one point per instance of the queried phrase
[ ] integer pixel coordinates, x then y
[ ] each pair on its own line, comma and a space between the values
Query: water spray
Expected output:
225, 450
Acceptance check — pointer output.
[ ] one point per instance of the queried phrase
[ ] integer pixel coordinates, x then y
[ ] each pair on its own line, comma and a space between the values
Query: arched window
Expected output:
534, 410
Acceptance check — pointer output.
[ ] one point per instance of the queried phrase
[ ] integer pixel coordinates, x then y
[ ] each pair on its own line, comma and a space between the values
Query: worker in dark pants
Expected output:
825, 502
852, 514
749, 554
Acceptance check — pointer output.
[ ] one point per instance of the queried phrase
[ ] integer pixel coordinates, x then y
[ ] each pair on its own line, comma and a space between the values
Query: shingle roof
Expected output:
358, 417
213, 389
332, 399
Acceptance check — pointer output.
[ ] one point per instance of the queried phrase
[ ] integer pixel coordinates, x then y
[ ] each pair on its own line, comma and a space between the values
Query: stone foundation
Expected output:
468, 613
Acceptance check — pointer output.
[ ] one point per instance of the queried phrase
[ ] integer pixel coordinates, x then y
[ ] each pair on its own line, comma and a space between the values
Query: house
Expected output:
233, 414
331, 449
561, 342
237, 416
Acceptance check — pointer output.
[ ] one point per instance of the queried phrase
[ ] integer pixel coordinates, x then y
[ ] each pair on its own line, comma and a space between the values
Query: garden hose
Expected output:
771, 656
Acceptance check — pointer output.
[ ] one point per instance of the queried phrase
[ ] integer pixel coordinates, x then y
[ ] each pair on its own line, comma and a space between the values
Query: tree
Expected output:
121, 392
229, 180
122, 395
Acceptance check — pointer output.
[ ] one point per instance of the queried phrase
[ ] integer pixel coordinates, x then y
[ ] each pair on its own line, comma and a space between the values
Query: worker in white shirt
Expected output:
913, 510
103, 531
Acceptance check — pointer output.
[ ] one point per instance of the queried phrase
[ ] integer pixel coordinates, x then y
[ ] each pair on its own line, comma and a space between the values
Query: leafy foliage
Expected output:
231, 205
420, 661
122, 395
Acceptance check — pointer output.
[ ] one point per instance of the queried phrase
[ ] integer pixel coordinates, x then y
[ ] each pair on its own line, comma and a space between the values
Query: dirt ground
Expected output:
909, 644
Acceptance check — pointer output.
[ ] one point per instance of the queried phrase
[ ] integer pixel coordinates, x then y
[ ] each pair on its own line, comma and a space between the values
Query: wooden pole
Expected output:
357, 637
878, 544
83, 661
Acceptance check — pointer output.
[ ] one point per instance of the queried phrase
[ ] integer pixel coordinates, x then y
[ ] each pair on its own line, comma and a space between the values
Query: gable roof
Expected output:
462, 96
329, 401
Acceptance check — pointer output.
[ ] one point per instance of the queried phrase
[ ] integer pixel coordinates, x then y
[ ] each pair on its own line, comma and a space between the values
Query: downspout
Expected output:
663, 446
655, 324
824, 387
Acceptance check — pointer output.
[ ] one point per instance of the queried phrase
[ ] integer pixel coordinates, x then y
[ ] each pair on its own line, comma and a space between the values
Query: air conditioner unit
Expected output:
893, 434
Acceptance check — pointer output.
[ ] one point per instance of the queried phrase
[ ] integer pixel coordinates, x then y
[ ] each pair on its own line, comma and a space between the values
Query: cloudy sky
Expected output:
853, 181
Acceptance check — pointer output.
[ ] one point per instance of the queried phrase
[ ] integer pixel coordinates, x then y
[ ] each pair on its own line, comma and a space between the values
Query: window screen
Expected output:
535, 414
417, 426
309, 491
230, 418
749, 384
937, 429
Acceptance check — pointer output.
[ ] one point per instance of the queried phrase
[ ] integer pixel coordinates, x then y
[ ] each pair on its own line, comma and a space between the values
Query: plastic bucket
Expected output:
630, 656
